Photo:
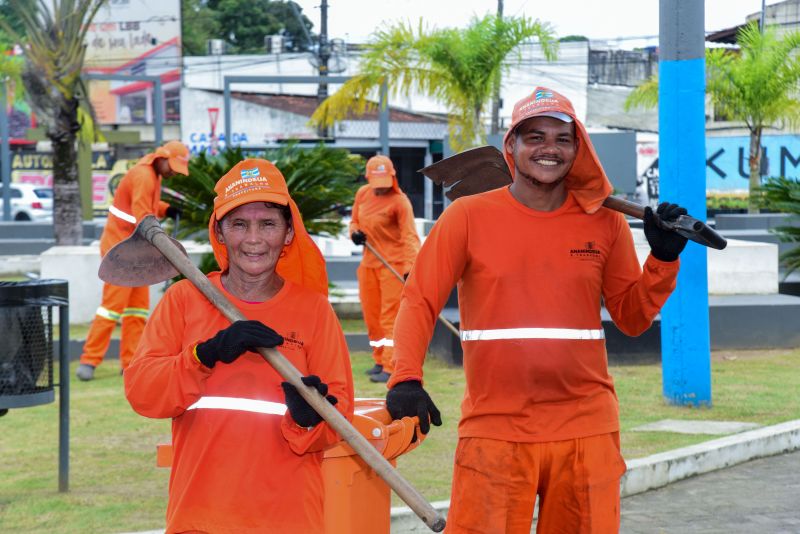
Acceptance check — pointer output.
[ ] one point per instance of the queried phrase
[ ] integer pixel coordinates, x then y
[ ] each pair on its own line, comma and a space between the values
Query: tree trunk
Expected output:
67, 220
755, 168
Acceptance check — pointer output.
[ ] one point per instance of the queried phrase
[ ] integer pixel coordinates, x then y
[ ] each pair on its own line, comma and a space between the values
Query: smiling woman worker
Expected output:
244, 462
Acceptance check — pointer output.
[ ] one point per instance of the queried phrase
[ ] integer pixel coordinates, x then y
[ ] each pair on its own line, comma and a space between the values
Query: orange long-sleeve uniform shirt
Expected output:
241, 464
530, 285
388, 222
138, 195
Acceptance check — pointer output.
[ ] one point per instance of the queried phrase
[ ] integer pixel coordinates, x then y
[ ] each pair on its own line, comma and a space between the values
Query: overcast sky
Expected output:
354, 20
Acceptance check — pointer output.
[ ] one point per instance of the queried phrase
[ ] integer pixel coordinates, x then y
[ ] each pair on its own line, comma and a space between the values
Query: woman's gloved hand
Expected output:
302, 412
358, 237
233, 341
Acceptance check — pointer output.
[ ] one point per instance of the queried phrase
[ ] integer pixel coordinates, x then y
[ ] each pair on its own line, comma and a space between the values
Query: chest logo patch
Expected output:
587, 250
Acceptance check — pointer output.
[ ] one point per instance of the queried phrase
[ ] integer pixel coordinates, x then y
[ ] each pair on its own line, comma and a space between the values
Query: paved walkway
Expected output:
758, 497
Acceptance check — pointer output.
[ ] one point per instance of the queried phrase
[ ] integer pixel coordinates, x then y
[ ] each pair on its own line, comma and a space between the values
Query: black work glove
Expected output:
173, 212
302, 412
230, 343
358, 237
408, 399
665, 245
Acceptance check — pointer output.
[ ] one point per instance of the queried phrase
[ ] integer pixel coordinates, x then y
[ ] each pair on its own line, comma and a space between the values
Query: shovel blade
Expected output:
135, 262
470, 172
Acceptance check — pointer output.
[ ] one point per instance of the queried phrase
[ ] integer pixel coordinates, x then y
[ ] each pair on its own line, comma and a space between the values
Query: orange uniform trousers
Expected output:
380, 290
495, 484
127, 305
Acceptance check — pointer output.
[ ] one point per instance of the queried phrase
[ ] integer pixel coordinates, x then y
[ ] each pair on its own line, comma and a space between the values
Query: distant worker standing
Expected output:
138, 195
382, 216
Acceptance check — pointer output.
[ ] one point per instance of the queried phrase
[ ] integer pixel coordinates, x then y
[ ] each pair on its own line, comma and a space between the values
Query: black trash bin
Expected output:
27, 348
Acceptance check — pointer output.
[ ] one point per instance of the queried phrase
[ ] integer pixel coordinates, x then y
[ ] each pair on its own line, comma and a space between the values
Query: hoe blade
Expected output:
136, 262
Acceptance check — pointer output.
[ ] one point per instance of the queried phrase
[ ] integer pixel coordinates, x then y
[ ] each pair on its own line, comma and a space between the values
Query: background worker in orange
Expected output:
382, 215
532, 262
138, 195
247, 447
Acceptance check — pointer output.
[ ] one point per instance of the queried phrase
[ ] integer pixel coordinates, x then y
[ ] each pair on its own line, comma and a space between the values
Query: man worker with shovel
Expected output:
138, 195
247, 447
532, 262
382, 215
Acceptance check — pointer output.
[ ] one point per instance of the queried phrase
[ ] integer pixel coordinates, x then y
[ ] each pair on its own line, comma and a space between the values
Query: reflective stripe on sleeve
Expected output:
382, 343
531, 333
235, 403
112, 209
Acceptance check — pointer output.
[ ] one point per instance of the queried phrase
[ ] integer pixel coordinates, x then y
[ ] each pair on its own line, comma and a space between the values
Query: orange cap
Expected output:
250, 180
177, 154
380, 171
586, 180
258, 180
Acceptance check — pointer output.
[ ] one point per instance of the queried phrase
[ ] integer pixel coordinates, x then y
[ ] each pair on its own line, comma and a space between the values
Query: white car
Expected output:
29, 202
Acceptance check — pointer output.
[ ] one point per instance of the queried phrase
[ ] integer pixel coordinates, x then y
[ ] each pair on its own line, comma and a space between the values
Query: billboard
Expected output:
134, 38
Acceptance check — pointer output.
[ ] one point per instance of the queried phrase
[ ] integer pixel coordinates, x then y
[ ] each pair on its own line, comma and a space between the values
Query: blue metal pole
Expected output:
5, 152
685, 340
383, 119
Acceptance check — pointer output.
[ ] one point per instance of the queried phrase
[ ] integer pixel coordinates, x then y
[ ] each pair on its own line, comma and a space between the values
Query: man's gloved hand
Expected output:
408, 399
233, 341
302, 412
665, 245
173, 212
358, 237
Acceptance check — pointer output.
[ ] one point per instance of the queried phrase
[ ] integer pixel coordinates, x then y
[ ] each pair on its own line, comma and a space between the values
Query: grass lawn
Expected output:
115, 486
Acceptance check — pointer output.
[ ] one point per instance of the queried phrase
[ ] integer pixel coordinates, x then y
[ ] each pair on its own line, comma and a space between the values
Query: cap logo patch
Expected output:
543, 94
250, 173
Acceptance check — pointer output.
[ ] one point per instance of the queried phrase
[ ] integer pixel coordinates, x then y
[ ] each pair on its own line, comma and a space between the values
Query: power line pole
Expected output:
763, 14
495, 127
324, 52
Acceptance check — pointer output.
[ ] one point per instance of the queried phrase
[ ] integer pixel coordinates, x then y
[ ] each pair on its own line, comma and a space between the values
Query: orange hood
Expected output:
586, 180
258, 180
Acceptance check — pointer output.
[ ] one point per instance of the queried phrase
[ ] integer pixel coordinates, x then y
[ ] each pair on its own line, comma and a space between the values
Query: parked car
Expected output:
29, 202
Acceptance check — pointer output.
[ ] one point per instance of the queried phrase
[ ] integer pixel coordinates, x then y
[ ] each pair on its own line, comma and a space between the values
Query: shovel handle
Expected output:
450, 326
687, 226
152, 231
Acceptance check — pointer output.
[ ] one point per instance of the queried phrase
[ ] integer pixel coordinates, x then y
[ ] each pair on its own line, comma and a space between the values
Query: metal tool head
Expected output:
135, 262
470, 172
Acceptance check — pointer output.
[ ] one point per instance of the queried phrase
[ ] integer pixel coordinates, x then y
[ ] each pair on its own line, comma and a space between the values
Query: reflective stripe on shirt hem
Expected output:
531, 333
382, 343
121, 214
235, 403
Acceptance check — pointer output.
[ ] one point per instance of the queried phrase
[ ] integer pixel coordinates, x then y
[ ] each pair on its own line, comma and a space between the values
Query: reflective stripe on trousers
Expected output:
382, 343
240, 404
531, 333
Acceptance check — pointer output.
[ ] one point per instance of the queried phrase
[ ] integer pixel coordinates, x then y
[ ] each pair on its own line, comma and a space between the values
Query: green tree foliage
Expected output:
242, 24
7, 14
456, 67
321, 180
756, 85
198, 25
783, 194
54, 48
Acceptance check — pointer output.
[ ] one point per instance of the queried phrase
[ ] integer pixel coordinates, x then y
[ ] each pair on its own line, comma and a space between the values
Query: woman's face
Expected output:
254, 235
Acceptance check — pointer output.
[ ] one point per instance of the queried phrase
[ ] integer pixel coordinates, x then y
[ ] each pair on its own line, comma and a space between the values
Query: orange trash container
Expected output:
357, 500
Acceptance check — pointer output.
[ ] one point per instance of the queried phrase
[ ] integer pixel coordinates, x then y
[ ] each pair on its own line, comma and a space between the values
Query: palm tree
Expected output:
756, 85
54, 46
783, 194
456, 67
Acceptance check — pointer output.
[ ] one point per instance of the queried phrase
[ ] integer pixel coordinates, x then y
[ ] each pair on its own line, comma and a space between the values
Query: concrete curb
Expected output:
664, 468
